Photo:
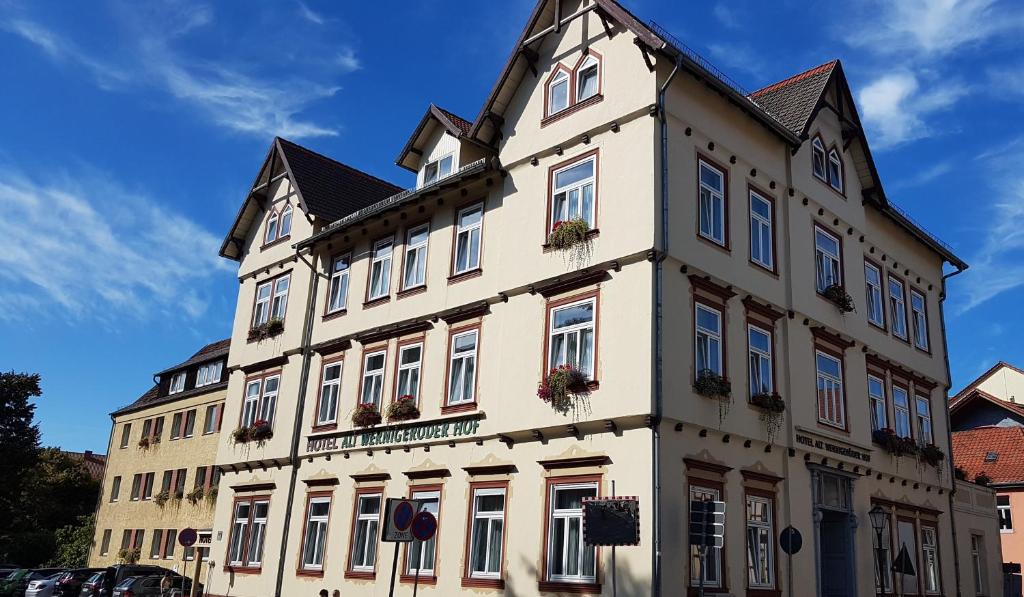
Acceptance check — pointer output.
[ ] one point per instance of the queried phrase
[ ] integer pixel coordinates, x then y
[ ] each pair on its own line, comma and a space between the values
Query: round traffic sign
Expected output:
790, 540
187, 537
404, 513
424, 526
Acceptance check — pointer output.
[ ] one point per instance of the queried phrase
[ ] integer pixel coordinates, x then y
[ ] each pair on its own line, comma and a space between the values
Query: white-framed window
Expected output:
826, 260
488, 533
571, 336
978, 563
462, 368
115, 488
1005, 513
835, 170
760, 346
330, 388
268, 401
919, 316
105, 543
761, 239
416, 257
380, 269
247, 532
708, 339
261, 309
157, 544
818, 159
190, 423
924, 420
558, 92
126, 434
318, 514
760, 543
876, 395
713, 563
337, 294
285, 228
587, 76
209, 373
873, 290
250, 405
177, 383
883, 555
364, 535
711, 205
373, 378
897, 308
438, 169
212, 421
467, 238
569, 558
572, 192
271, 233
170, 540
279, 305
422, 553
831, 400
410, 357
256, 536
176, 426
901, 411
930, 555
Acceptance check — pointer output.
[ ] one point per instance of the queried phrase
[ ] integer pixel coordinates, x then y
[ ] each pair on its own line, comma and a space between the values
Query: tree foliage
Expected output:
19, 438
73, 543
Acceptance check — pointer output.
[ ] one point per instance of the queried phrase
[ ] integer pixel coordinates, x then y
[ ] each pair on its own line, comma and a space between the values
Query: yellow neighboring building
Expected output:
160, 476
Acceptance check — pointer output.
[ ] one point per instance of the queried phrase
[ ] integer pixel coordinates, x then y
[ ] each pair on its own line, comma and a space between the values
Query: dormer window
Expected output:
209, 374
818, 158
835, 170
271, 234
586, 78
286, 222
437, 169
558, 92
177, 383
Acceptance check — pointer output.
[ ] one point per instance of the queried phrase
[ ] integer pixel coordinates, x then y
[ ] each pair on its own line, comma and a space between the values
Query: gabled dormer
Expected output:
206, 368
439, 147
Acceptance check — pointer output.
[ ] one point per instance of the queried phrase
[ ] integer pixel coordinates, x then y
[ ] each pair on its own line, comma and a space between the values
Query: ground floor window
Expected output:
487, 532
364, 533
318, 512
569, 559
760, 542
713, 561
248, 528
421, 553
978, 563
930, 559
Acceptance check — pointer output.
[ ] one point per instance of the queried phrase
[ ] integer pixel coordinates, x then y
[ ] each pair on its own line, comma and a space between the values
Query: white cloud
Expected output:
347, 60
738, 57
894, 107
925, 176
725, 16
308, 14
61, 50
87, 249
931, 28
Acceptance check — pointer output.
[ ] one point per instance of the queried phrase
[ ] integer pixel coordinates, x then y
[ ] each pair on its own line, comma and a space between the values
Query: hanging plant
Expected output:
211, 496
565, 388
838, 296
195, 496
772, 406
931, 455
403, 409
129, 556
572, 239
894, 444
266, 330
366, 415
260, 432
712, 385
161, 498
144, 442
240, 435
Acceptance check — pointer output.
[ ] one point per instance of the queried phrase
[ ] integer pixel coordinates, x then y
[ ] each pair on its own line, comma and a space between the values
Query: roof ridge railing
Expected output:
696, 57
906, 215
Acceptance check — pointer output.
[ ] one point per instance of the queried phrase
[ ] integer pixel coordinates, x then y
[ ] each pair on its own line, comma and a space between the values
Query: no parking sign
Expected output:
398, 519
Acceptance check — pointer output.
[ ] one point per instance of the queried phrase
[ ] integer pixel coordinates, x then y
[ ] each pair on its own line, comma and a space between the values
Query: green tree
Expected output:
73, 543
19, 445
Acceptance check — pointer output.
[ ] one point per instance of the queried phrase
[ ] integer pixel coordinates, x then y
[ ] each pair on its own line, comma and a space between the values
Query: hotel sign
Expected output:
833, 448
394, 435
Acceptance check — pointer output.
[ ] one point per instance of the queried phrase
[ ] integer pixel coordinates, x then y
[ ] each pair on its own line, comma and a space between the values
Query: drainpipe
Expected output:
660, 255
949, 426
787, 370
307, 334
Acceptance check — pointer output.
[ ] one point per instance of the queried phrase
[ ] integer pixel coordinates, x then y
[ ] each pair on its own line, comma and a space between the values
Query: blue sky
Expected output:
129, 132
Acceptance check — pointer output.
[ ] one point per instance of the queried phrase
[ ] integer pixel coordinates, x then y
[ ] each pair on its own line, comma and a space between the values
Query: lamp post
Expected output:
879, 518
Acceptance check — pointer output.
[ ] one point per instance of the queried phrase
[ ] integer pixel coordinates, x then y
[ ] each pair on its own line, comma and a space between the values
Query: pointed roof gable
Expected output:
326, 189
962, 401
793, 101
453, 124
982, 378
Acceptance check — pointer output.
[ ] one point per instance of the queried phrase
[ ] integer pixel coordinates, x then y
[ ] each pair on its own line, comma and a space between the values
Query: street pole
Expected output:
416, 579
615, 571
702, 553
394, 568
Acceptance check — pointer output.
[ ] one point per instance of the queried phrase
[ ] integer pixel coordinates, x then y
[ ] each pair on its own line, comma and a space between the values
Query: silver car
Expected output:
43, 587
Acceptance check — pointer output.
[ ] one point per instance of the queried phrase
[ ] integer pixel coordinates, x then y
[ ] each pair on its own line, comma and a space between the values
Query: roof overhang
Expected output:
409, 158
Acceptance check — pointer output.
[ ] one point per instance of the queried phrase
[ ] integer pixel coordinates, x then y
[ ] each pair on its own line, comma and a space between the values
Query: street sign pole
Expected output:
702, 553
416, 579
394, 568
615, 572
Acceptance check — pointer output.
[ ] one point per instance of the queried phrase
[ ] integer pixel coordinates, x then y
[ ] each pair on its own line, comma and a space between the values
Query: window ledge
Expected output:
334, 314
723, 246
360, 575
324, 427
466, 275
424, 580
764, 592
590, 101
310, 573
483, 583
411, 291
277, 241
458, 408
584, 588
377, 301
242, 570
593, 233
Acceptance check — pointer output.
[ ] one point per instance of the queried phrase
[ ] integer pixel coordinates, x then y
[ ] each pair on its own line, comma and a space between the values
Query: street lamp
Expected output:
879, 518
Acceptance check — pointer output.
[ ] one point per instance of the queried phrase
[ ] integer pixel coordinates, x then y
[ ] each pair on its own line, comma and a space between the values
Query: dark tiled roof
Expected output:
206, 353
792, 101
1007, 444
460, 123
330, 189
152, 397
94, 463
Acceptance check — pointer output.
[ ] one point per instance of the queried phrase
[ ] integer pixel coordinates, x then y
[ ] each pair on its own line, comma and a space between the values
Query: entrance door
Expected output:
836, 544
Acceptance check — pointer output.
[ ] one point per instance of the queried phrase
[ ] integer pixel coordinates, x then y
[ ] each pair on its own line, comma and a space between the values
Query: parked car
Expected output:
43, 587
70, 583
93, 586
17, 582
115, 574
149, 586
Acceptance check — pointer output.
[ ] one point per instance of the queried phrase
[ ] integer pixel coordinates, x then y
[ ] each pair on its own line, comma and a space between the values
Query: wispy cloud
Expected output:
738, 57
309, 14
61, 50
725, 15
895, 107
923, 177
86, 249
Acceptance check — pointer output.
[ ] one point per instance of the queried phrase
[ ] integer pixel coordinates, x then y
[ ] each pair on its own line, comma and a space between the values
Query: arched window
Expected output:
587, 77
818, 158
835, 170
271, 234
286, 221
558, 91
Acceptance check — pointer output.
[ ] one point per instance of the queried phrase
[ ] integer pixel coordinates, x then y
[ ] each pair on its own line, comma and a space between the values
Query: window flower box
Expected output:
161, 498
565, 388
366, 415
572, 238
772, 406
129, 556
240, 435
712, 385
144, 443
403, 409
266, 330
894, 444
837, 295
931, 455
195, 496
260, 431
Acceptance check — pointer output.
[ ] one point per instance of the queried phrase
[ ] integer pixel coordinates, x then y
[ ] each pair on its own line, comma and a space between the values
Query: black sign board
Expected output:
611, 521
903, 564
790, 540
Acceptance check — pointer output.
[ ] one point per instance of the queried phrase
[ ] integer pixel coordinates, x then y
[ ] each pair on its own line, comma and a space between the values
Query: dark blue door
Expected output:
836, 544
